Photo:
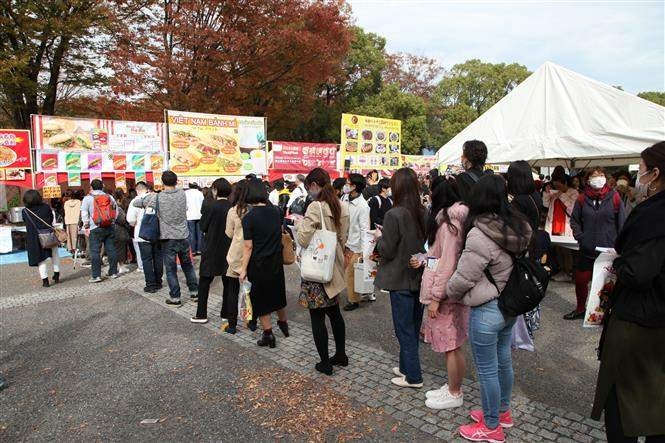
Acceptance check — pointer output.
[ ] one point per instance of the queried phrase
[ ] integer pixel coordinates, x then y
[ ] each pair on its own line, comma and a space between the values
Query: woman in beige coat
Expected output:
321, 299
234, 256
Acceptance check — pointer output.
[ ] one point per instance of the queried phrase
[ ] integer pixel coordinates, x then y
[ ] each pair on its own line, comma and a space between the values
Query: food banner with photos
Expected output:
303, 157
72, 145
422, 164
221, 145
15, 156
371, 142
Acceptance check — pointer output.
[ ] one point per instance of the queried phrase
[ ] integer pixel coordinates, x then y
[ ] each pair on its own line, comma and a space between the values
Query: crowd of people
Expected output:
445, 248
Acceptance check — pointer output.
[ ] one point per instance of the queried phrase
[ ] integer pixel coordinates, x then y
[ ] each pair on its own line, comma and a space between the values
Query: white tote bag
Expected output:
318, 259
602, 284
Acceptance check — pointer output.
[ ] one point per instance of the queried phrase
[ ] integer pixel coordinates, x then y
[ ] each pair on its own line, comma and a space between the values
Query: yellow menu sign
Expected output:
211, 144
371, 142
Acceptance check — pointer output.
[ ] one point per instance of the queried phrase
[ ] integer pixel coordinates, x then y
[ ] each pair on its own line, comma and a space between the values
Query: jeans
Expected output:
195, 235
105, 236
179, 248
407, 318
489, 334
153, 263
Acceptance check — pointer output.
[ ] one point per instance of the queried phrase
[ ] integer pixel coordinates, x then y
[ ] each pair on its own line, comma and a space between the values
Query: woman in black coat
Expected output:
213, 257
36, 209
631, 380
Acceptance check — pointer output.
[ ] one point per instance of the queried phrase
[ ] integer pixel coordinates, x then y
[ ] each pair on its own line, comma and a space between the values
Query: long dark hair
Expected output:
520, 179
404, 184
239, 197
490, 196
327, 194
444, 195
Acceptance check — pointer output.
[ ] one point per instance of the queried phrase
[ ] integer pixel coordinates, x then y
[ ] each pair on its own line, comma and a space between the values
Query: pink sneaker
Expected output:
480, 432
505, 419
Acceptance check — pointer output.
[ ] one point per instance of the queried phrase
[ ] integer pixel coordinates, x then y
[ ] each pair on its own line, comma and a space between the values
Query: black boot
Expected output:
339, 360
284, 327
251, 325
324, 367
56, 277
45, 282
267, 339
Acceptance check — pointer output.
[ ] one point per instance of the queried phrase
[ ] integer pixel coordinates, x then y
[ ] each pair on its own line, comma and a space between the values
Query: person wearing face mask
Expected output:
380, 204
474, 155
358, 235
596, 220
627, 193
631, 376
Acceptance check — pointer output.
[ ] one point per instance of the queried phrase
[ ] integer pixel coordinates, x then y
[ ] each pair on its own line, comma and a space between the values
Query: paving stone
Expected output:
547, 434
429, 428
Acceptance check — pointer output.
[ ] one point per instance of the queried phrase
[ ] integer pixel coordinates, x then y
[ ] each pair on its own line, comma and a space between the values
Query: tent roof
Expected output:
557, 115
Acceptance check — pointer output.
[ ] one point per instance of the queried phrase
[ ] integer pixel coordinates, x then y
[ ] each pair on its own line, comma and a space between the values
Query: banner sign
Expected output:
84, 145
221, 145
370, 142
121, 180
14, 151
52, 191
303, 157
74, 179
422, 164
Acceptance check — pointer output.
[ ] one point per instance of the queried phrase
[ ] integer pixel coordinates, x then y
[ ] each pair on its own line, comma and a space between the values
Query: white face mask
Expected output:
346, 189
642, 188
597, 182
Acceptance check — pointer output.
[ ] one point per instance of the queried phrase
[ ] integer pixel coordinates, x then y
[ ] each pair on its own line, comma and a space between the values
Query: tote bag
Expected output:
602, 284
48, 238
150, 224
317, 261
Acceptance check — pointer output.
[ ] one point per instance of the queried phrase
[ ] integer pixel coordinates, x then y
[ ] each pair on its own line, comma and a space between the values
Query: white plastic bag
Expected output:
317, 261
246, 313
362, 282
602, 284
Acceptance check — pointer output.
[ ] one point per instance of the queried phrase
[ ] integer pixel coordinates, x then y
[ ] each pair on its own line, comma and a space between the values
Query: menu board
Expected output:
370, 142
14, 154
221, 145
303, 157
65, 144
422, 164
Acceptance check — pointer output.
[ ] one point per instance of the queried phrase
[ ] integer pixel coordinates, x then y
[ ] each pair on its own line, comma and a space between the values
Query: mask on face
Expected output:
622, 183
642, 188
346, 189
390, 193
597, 182
313, 195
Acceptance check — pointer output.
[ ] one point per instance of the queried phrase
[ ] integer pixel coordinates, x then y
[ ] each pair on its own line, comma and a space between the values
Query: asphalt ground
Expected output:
93, 367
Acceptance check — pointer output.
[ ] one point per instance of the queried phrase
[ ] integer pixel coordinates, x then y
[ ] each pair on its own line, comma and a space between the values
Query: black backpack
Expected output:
525, 288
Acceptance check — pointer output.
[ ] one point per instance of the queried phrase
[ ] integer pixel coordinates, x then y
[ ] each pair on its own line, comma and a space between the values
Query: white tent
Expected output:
557, 116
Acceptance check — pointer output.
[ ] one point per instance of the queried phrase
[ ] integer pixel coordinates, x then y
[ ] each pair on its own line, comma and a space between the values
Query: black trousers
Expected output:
320, 332
229, 298
613, 427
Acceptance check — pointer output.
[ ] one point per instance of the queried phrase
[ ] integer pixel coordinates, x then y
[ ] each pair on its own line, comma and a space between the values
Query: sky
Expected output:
616, 42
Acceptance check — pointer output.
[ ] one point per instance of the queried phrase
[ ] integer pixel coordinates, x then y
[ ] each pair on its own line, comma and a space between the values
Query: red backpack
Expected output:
103, 211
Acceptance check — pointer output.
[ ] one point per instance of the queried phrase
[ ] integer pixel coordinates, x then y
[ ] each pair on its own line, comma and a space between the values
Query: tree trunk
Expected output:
52, 88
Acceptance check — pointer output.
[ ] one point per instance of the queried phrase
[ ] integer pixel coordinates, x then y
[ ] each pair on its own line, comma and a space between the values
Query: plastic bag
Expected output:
246, 313
602, 285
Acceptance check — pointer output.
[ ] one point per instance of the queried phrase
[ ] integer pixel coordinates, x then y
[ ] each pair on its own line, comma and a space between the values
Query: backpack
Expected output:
282, 202
298, 206
103, 210
525, 288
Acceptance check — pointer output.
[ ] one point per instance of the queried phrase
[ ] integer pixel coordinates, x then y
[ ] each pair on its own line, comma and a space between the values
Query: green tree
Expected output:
49, 50
653, 96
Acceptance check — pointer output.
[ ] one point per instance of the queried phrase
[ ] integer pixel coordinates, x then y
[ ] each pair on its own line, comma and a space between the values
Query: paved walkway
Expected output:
367, 379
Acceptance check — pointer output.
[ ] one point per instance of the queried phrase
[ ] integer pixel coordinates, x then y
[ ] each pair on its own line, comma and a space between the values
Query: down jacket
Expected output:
446, 248
486, 247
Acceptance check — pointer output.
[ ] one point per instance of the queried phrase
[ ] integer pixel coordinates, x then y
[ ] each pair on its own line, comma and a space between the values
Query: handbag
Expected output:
49, 237
288, 249
318, 259
150, 224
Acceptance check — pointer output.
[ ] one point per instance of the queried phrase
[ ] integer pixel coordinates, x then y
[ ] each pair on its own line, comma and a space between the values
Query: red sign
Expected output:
15, 149
302, 157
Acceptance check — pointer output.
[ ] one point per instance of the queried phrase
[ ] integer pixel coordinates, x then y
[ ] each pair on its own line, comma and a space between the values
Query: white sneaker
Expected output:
95, 280
371, 297
437, 392
445, 400
123, 269
397, 372
402, 383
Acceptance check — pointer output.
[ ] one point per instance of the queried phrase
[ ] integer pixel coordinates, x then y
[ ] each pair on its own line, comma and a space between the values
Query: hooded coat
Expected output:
487, 246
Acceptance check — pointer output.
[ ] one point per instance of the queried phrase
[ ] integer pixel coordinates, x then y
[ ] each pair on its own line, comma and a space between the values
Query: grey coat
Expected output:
400, 240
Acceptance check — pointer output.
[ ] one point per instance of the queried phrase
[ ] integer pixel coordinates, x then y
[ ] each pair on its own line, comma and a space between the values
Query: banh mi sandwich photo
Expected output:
188, 158
230, 164
66, 141
94, 162
49, 163
119, 162
73, 162
57, 126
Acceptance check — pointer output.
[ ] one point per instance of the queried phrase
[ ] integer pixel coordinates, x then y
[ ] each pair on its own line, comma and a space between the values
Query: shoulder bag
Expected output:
49, 237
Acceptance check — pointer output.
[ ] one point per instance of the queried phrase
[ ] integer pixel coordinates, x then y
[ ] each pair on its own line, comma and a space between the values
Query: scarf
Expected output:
597, 194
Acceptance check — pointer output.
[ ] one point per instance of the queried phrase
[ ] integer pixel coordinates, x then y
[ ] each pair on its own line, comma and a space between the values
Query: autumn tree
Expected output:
249, 57
653, 96
412, 73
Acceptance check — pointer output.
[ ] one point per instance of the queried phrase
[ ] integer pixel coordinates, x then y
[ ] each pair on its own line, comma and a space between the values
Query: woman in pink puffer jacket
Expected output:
446, 321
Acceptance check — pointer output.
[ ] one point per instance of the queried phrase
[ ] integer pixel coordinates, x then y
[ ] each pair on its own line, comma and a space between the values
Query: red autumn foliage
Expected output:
247, 57
412, 73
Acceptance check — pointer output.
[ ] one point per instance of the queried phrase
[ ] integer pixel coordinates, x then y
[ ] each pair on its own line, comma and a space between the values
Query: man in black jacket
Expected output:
474, 155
